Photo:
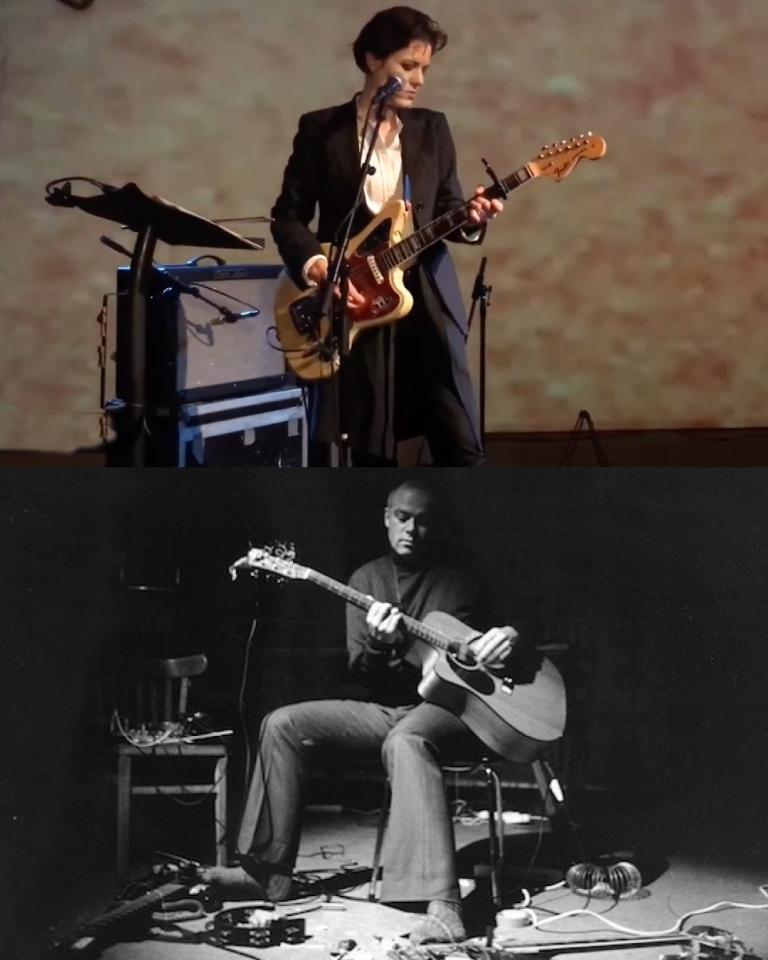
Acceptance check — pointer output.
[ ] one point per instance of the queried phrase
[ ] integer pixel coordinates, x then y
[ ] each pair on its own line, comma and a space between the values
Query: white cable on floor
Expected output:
722, 904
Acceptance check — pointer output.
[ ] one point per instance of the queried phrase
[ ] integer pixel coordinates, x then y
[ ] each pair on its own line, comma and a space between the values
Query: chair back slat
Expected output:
151, 691
183, 696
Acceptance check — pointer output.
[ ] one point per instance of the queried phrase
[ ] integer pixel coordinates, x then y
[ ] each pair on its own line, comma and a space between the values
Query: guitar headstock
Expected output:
557, 160
276, 559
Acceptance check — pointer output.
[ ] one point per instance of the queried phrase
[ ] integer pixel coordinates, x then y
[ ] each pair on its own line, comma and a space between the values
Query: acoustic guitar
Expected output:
514, 715
378, 257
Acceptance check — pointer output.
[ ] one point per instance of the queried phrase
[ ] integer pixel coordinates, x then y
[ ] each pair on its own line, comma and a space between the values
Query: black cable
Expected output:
52, 188
241, 710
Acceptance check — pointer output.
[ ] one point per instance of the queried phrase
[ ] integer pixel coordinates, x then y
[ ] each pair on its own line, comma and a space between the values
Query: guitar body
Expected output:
306, 340
514, 718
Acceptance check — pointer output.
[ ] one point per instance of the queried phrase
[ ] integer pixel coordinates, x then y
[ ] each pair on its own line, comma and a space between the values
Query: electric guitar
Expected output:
130, 919
380, 254
513, 715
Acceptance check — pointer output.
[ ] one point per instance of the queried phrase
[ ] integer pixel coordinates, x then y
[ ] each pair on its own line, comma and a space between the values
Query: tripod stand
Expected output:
584, 428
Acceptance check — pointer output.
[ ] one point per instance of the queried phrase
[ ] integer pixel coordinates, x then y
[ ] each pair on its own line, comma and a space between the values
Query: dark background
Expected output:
654, 581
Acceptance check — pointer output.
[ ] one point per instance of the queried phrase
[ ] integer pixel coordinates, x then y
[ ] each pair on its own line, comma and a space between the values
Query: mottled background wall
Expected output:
635, 289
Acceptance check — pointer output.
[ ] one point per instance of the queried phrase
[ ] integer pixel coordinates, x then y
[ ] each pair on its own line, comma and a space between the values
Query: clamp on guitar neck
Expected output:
499, 184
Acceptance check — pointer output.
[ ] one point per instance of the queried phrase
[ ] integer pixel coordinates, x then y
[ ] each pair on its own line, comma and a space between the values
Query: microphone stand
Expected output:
481, 293
338, 275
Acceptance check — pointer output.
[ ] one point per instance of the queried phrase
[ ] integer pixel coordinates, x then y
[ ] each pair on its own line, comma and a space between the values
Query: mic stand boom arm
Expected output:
179, 286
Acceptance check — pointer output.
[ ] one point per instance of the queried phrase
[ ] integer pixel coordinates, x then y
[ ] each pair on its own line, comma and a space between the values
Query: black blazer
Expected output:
322, 175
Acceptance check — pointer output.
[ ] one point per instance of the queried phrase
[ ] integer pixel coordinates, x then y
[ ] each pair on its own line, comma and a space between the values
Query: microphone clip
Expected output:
387, 90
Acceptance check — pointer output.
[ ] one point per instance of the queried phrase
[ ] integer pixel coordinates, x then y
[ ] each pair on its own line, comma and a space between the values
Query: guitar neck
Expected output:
443, 226
415, 628
135, 908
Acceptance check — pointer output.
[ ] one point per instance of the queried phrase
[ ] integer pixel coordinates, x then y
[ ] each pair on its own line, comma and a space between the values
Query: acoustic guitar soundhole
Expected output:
475, 678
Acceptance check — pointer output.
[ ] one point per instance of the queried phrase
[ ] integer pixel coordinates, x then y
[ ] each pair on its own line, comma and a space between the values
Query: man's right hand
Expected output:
318, 273
383, 622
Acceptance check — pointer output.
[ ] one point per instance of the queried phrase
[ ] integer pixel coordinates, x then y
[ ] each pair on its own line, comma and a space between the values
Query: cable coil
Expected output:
620, 880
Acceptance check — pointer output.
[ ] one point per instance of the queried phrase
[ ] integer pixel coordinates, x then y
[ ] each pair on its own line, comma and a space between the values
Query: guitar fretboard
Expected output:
413, 245
414, 627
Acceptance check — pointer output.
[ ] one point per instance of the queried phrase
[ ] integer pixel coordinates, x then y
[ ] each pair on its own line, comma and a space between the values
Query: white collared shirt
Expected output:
386, 181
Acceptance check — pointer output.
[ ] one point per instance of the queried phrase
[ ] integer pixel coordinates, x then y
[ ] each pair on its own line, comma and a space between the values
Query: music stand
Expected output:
153, 219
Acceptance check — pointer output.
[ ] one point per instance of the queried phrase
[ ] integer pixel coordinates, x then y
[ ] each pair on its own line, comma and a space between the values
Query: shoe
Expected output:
442, 924
235, 883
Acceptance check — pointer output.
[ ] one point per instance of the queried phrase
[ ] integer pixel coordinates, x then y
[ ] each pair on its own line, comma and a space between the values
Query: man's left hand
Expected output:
494, 646
482, 209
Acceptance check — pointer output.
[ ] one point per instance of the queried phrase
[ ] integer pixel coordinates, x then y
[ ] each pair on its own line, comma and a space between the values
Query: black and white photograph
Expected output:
379, 712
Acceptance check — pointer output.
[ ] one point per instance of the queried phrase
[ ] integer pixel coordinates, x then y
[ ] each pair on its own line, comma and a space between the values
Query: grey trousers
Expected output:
418, 856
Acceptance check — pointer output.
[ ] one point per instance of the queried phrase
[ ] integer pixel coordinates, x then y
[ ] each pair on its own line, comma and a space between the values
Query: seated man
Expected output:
410, 735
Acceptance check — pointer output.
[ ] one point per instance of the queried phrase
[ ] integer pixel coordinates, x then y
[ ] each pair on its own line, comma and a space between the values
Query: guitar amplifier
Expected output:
199, 350
260, 430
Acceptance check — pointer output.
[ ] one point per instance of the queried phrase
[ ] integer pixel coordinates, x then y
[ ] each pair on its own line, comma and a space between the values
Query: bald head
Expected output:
408, 518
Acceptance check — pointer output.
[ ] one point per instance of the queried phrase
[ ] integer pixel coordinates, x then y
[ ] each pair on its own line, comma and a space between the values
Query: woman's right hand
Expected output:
318, 273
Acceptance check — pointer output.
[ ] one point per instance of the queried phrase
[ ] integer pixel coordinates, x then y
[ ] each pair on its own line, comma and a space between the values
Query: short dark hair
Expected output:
393, 29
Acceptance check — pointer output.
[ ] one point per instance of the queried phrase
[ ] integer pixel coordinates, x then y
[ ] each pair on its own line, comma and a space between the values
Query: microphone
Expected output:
388, 89
118, 248
231, 317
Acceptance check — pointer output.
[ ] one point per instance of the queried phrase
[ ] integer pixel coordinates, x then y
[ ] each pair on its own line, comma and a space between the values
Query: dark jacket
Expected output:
322, 174
386, 677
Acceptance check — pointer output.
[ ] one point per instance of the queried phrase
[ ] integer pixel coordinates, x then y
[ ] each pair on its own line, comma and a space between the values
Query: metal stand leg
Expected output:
123, 813
220, 811
495, 831
382, 825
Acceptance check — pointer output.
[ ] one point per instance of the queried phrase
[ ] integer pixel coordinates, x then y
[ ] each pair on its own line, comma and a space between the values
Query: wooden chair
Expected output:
547, 784
151, 698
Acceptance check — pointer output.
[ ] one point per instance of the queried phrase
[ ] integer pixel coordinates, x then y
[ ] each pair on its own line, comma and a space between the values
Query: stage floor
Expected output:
690, 858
